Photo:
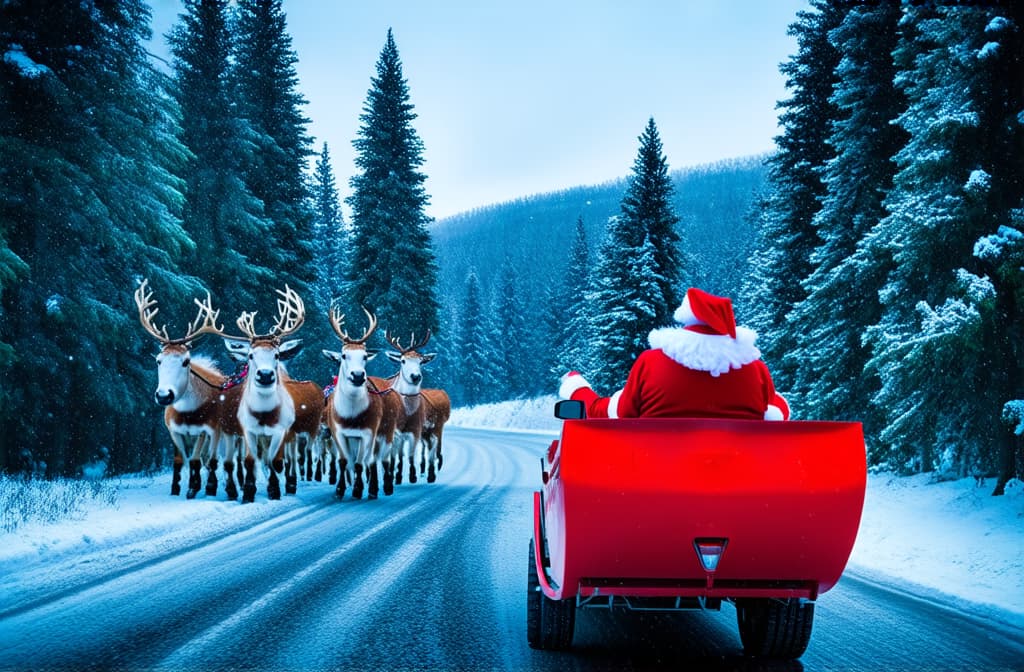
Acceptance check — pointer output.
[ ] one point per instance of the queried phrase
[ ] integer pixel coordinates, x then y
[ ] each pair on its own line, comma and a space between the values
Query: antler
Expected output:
337, 318
291, 313
396, 343
205, 322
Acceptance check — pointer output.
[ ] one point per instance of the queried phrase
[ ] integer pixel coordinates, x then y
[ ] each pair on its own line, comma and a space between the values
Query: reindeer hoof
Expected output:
412, 476
431, 477
175, 490
248, 495
211, 491
191, 494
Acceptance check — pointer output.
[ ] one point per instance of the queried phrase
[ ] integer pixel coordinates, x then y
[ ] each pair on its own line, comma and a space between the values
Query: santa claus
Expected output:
706, 368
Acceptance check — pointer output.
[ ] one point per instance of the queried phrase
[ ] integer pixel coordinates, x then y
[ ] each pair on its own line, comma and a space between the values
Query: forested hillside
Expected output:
713, 202
528, 241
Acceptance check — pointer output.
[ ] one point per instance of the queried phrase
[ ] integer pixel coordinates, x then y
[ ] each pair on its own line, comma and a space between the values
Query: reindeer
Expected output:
357, 415
190, 387
270, 403
407, 385
438, 408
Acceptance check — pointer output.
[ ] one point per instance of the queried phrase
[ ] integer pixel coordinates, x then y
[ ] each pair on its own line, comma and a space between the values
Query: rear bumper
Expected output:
706, 588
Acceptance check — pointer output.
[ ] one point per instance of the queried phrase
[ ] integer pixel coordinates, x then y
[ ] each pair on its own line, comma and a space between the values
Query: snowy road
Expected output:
431, 578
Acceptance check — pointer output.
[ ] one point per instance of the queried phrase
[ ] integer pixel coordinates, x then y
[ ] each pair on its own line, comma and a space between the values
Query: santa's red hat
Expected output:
715, 312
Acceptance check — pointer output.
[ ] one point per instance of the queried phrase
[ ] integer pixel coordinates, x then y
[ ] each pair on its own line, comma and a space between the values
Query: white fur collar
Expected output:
713, 353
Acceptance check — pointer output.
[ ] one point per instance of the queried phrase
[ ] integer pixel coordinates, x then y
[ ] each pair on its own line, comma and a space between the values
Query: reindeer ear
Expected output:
427, 357
395, 357
289, 349
332, 355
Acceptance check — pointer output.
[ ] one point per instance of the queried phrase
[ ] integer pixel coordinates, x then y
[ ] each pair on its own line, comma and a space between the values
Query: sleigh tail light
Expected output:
710, 552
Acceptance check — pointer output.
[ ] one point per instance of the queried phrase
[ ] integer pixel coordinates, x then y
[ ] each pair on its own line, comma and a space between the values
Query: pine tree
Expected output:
393, 270
647, 206
957, 180
471, 351
331, 236
508, 335
573, 310
638, 267
234, 254
89, 202
787, 235
266, 83
828, 357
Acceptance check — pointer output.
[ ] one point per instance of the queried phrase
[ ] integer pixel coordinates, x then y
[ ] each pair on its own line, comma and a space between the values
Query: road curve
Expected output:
432, 578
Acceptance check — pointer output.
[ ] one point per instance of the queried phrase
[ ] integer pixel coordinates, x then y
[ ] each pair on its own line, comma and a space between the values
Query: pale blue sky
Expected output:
516, 99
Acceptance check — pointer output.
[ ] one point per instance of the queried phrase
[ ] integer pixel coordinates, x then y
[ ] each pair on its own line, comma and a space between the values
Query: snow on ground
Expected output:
950, 542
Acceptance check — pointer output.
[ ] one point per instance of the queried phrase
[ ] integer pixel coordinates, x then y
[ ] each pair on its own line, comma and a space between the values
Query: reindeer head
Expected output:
265, 352
410, 361
174, 360
354, 354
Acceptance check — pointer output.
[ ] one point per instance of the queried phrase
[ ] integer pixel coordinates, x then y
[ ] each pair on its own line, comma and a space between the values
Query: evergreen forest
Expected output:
878, 251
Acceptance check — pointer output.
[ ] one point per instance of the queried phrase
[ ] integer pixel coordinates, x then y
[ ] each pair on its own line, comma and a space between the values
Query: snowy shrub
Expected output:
1013, 414
1014, 488
992, 248
978, 182
32, 500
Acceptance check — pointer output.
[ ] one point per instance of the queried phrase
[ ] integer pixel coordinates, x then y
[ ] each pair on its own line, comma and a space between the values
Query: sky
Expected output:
517, 99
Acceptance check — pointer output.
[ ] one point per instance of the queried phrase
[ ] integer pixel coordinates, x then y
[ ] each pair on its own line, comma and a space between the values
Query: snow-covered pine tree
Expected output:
572, 339
221, 213
264, 77
647, 204
787, 236
89, 202
842, 291
330, 236
508, 335
943, 382
473, 382
1002, 59
1002, 258
633, 294
393, 269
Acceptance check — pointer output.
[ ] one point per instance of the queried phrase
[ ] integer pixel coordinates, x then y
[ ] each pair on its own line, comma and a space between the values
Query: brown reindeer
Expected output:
359, 415
189, 386
407, 384
267, 407
438, 408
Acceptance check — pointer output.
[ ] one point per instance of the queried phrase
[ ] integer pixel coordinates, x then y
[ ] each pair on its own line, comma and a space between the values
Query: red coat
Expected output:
695, 373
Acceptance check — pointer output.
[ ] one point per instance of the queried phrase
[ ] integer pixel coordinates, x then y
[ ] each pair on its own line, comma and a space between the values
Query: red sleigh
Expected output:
687, 513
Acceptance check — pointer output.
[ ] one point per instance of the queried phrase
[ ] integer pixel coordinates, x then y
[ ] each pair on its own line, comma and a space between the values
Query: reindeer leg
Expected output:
276, 467
389, 474
398, 469
342, 469
371, 476
357, 487
229, 489
179, 462
291, 478
211, 478
195, 478
249, 485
